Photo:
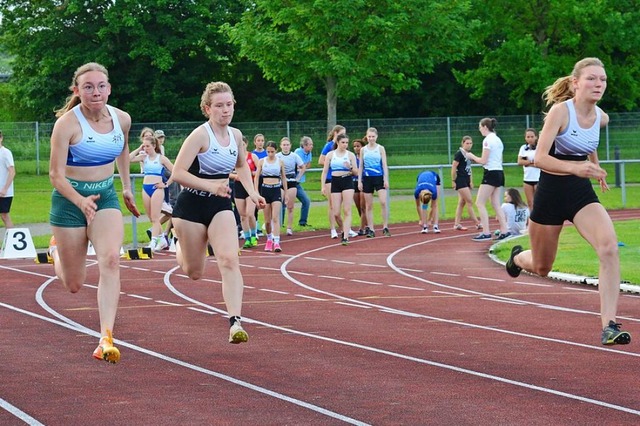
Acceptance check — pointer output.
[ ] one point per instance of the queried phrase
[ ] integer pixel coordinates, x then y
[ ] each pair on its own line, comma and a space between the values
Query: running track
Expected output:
409, 329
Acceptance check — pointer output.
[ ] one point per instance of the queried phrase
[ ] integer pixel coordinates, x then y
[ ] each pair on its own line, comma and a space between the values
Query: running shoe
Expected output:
385, 232
503, 236
361, 232
106, 351
345, 242
149, 234
334, 234
478, 226
161, 243
436, 230
254, 241
268, 246
289, 231
459, 227
352, 233
482, 237
513, 269
425, 230
237, 334
247, 244
370, 233
277, 248
611, 335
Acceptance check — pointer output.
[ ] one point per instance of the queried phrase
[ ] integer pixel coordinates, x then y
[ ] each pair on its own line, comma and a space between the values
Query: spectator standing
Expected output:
305, 153
526, 158
462, 181
7, 175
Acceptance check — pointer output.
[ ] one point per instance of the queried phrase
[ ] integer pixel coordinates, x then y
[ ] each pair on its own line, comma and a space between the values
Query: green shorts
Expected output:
65, 214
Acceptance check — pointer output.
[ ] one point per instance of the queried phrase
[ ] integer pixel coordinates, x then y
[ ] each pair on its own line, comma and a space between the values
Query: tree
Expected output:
351, 47
536, 42
160, 53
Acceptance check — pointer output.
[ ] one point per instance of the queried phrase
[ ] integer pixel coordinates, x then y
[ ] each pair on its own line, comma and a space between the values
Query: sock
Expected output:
247, 235
276, 240
233, 320
270, 237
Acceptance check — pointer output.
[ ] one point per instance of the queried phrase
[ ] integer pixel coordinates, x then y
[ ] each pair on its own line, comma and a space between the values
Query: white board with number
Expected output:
17, 244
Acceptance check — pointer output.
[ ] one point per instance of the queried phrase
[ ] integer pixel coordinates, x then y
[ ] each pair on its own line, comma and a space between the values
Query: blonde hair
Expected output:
73, 99
562, 89
332, 134
211, 89
425, 196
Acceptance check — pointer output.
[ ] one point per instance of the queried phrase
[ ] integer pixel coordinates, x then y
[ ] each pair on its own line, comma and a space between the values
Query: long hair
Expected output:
516, 199
73, 99
332, 134
562, 89
489, 123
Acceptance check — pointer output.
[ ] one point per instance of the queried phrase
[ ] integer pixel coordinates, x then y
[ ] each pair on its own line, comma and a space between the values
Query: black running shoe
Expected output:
611, 335
513, 269
345, 242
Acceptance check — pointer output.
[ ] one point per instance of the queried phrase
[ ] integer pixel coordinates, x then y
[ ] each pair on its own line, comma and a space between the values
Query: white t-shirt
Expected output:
6, 161
516, 218
531, 173
494, 144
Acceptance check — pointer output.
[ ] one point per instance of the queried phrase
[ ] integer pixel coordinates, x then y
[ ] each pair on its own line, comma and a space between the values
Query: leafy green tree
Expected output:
160, 53
529, 44
351, 47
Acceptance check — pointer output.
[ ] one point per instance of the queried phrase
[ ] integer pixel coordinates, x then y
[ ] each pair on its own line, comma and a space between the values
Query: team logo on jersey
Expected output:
574, 132
234, 153
91, 140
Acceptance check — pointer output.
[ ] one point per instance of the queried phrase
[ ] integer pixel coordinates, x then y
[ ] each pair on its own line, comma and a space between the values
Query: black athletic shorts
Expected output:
199, 206
559, 198
341, 183
493, 178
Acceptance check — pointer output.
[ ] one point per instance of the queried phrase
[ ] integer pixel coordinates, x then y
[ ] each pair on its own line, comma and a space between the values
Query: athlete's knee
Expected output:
608, 251
228, 260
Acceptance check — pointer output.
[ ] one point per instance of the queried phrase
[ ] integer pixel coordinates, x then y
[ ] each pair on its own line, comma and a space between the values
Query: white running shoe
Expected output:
436, 230
334, 234
289, 231
161, 243
237, 333
425, 230
352, 233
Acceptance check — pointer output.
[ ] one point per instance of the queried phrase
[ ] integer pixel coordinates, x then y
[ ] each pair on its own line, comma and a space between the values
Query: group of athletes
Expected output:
90, 137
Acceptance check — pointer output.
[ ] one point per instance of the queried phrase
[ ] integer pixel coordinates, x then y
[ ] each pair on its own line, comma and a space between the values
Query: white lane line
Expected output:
204, 311
532, 284
446, 274
365, 282
304, 296
330, 277
71, 325
353, 305
139, 297
268, 290
513, 302
168, 303
19, 413
486, 279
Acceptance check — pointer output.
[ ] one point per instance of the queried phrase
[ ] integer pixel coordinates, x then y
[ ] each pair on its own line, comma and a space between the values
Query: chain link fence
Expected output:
408, 141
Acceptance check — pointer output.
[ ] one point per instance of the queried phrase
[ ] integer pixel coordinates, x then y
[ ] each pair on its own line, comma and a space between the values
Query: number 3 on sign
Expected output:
17, 244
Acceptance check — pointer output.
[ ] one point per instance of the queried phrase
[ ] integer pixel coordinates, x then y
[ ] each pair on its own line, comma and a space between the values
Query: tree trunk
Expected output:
332, 102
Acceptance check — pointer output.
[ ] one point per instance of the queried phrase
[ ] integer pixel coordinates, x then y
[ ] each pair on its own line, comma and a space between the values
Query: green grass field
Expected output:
33, 197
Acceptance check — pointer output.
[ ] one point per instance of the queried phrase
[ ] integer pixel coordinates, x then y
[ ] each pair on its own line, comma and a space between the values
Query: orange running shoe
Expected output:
106, 351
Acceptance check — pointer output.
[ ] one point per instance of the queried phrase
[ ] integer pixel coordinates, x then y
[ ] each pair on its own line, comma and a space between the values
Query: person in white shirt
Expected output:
526, 159
492, 180
515, 212
7, 173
